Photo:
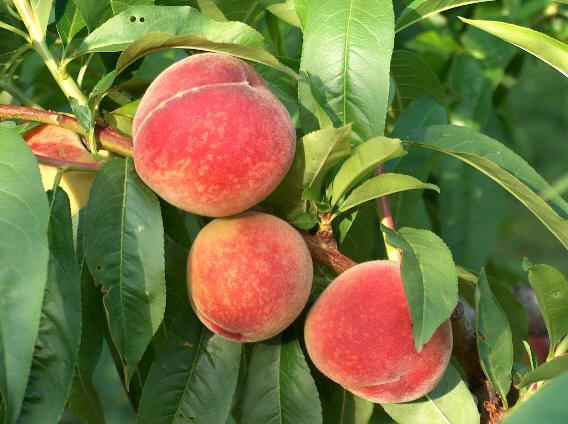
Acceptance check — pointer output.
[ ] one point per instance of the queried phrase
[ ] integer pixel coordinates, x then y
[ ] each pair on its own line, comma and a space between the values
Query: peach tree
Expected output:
277, 211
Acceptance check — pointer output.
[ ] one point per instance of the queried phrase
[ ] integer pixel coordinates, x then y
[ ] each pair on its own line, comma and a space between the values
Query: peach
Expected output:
359, 334
249, 276
210, 138
59, 143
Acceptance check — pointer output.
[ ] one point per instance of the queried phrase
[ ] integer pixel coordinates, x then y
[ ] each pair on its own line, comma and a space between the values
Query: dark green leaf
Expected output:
551, 290
547, 405
24, 253
124, 247
57, 344
420, 113
121, 30
366, 157
95, 13
503, 166
421, 9
355, 239
429, 278
449, 402
69, 20
353, 73
382, 185
103, 85
494, 338
83, 114
343, 407
193, 377
279, 388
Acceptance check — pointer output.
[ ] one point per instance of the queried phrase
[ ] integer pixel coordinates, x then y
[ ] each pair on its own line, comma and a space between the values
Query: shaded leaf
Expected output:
24, 253
343, 407
124, 247
429, 278
95, 13
69, 20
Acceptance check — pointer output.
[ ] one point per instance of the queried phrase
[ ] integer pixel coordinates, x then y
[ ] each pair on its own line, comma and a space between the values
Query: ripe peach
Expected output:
249, 276
210, 138
359, 334
59, 143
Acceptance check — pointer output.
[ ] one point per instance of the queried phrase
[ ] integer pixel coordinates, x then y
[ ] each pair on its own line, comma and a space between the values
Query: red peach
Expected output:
249, 276
359, 334
210, 138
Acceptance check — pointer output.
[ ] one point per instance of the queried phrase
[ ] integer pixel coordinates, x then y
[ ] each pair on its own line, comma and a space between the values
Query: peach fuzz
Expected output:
359, 334
249, 276
59, 143
210, 138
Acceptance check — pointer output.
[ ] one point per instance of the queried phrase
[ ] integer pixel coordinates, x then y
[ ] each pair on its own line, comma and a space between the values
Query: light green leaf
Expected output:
121, 30
494, 338
421, 9
366, 157
503, 166
42, 9
95, 13
429, 278
24, 253
315, 154
211, 10
449, 402
153, 41
413, 78
546, 371
57, 344
279, 388
353, 74
551, 290
546, 48
286, 11
547, 405
382, 185
124, 247
193, 378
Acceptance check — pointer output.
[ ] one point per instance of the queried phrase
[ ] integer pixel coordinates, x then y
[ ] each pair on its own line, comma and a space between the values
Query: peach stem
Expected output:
69, 165
109, 138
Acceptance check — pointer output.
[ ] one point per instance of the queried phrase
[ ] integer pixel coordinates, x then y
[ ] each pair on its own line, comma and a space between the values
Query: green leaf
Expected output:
315, 154
286, 11
429, 278
494, 338
449, 402
83, 114
503, 166
279, 387
118, 32
546, 371
343, 407
546, 48
421, 9
366, 157
547, 405
304, 221
242, 10
153, 41
57, 344
353, 74
124, 247
103, 85
95, 13
41, 10
382, 185
302, 7
551, 290
516, 315
355, 239
413, 78
69, 20
24, 253
211, 10
193, 378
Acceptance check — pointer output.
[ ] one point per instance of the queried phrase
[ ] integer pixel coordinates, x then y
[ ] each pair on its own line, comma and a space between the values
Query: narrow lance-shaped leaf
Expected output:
551, 290
421, 9
24, 252
59, 334
153, 41
124, 247
449, 402
382, 185
503, 166
546, 48
121, 30
353, 74
193, 378
211, 10
41, 10
279, 388
366, 157
546, 371
494, 338
69, 20
429, 278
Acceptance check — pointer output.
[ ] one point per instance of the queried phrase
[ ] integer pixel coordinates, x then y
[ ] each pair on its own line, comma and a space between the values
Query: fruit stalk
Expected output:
387, 220
109, 138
